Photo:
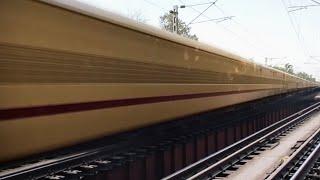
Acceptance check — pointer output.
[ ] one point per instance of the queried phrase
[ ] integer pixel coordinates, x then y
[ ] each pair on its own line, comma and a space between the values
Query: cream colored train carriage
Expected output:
70, 72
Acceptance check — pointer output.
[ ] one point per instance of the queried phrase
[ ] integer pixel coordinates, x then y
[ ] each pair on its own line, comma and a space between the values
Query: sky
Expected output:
259, 29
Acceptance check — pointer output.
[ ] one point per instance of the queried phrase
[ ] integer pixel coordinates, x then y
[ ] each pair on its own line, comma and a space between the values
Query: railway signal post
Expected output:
174, 12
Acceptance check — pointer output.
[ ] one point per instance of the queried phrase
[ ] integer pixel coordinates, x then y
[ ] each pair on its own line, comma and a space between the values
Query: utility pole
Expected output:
174, 12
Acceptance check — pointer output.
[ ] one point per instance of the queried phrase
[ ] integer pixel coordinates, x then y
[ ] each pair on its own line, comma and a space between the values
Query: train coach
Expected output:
71, 73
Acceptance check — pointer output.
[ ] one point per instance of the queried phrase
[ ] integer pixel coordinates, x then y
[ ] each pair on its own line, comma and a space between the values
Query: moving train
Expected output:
71, 72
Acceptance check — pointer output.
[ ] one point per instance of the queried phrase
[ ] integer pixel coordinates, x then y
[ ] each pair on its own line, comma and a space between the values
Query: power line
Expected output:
315, 58
251, 43
156, 5
315, 2
202, 12
295, 29
191, 7
211, 18
298, 33
198, 4
295, 19
297, 8
217, 20
240, 25
303, 7
241, 38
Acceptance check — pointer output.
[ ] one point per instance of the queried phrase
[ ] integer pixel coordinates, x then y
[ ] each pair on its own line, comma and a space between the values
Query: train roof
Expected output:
110, 17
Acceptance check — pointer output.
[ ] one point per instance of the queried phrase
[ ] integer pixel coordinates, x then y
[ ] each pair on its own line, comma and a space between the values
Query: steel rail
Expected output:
284, 169
213, 164
252, 146
71, 160
308, 163
55, 164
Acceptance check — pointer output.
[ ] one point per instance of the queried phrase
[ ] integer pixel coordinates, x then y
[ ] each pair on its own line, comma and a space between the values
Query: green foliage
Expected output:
306, 76
289, 69
166, 23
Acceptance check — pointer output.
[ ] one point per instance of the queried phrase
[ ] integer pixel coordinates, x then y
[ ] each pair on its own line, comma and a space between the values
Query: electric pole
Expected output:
174, 12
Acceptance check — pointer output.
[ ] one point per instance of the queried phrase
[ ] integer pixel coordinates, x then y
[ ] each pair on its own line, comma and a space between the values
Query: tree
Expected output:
288, 68
306, 76
166, 23
279, 68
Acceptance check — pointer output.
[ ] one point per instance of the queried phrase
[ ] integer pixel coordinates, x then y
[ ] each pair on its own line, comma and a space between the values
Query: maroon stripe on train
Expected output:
15, 113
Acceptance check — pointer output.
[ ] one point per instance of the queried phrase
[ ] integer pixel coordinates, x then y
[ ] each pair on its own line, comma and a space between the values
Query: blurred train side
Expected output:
74, 73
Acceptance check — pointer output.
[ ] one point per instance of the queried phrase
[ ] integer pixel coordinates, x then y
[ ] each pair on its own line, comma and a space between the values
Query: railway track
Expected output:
149, 157
310, 168
302, 163
229, 159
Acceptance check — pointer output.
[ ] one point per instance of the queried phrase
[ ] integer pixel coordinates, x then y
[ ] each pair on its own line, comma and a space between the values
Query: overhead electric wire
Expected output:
217, 20
156, 5
299, 29
239, 37
315, 2
238, 23
250, 42
297, 9
202, 12
297, 25
199, 4
295, 29
299, 35
243, 27
297, 32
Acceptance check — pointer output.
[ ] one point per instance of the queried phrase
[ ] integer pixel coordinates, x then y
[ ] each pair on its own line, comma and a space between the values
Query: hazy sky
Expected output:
259, 29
